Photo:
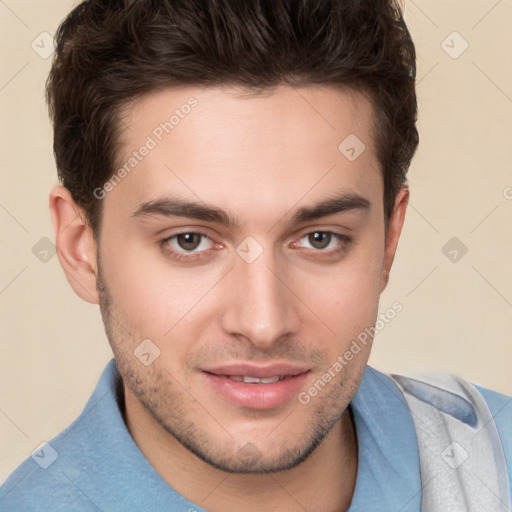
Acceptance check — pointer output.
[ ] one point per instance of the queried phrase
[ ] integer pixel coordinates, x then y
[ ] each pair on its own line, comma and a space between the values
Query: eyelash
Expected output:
183, 256
344, 240
328, 254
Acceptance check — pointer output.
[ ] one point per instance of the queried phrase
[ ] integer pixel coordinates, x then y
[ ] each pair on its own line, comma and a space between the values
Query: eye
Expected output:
189, 242
322, 240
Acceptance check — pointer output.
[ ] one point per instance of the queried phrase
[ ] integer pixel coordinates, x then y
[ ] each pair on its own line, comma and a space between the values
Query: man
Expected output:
233, 191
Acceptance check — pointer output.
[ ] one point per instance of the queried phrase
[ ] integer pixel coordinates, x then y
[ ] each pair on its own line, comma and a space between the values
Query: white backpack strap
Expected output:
462, 464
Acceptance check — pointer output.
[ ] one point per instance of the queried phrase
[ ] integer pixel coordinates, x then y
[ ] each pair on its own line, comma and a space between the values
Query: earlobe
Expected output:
76, 247
395, 225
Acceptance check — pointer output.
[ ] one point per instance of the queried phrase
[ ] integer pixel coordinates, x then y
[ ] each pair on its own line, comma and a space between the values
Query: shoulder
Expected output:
476, 419
44, 481
500, 406
52, 477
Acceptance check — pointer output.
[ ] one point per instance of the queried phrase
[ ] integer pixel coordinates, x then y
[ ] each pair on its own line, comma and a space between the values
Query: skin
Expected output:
260, 158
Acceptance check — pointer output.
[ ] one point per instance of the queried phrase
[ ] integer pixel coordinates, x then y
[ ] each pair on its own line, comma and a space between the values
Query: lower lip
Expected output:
257, 396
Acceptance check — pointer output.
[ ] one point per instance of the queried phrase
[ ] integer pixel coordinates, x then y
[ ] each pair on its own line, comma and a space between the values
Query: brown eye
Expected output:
323, 244
320, 239
189, 246
189, 241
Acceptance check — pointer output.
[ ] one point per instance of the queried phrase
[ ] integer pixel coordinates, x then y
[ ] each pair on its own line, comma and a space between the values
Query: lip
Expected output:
256, 396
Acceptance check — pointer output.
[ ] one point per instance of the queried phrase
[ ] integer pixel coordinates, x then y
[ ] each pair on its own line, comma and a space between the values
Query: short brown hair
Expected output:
110, 52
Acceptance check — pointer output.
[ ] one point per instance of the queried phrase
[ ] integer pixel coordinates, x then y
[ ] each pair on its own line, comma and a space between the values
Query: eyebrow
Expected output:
173, 207
348, 201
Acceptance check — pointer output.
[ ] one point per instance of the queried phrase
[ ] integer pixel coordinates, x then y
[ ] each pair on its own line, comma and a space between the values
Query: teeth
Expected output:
270, 380
252, 380
255, 380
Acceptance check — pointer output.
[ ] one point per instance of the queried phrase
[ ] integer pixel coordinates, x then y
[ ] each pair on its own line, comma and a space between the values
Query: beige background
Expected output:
457, 315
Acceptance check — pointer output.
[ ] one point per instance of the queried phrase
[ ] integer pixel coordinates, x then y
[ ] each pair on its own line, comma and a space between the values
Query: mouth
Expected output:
256, 387
255, 380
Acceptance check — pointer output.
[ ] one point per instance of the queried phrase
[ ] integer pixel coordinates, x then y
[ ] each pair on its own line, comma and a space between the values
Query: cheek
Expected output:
346, 295
349, 306
152, 295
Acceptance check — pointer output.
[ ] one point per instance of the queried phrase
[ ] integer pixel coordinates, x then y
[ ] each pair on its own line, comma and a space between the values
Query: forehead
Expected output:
230, 146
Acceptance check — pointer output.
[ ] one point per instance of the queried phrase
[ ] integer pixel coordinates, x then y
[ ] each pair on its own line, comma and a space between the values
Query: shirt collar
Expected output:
128, 481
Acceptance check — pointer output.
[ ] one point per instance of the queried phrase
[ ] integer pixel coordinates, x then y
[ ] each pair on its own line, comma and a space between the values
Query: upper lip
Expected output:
260, 372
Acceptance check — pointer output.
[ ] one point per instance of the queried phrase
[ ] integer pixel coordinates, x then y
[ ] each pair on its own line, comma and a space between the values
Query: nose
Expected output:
261, 306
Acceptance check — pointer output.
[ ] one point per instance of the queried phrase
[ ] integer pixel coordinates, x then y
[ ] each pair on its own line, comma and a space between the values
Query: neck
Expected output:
324, 481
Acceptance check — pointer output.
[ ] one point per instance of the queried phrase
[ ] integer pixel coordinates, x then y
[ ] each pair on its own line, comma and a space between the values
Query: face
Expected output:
249, 250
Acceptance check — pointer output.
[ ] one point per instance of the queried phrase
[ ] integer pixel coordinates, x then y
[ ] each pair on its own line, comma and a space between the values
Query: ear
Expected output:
396, 221
76, 247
